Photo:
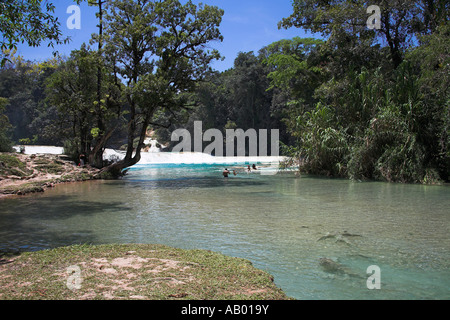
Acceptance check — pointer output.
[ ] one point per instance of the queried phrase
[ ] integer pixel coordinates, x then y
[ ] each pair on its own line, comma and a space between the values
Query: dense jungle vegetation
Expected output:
353, 102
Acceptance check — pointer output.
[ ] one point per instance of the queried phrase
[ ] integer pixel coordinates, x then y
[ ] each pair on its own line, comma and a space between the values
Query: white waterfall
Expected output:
155, 156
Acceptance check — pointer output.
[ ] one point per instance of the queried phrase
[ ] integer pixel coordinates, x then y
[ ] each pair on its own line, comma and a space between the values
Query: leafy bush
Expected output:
323, 144
71, 149
5, 126
5, 143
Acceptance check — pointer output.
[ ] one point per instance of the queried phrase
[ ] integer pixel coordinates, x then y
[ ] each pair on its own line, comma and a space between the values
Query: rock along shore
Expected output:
22, 174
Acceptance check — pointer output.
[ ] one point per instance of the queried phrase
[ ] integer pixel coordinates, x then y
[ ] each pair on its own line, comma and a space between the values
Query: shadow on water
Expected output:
192, 182
56, 208
34, 223
39, 222
282, 223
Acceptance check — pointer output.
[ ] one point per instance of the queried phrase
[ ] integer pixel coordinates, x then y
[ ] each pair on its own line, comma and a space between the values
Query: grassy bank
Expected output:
23, 174
140, 272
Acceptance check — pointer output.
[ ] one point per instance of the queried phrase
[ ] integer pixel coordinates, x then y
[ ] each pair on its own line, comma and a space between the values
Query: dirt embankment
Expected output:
23, 174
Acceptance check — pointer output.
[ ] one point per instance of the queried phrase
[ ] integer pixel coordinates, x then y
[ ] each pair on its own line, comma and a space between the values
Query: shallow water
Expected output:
281, 223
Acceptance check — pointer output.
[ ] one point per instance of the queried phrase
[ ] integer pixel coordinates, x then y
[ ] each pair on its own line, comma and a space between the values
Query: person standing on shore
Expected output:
82, 162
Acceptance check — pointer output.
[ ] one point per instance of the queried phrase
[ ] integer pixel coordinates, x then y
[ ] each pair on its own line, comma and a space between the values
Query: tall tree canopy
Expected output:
376, 114
72, 88
362, 103
400, 21
159, 50
5, 126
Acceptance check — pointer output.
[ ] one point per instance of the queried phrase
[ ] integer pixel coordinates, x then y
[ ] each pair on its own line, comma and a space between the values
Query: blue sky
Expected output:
248, 25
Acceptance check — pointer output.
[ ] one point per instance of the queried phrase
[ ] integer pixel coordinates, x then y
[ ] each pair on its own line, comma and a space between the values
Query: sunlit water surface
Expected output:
281, 223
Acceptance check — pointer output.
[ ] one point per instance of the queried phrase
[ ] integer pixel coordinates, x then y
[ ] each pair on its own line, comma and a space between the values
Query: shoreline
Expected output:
117, 271
133, 272
22, 174
42, 167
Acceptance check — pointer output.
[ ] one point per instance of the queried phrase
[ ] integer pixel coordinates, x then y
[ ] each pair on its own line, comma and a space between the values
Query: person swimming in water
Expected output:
226, 173
254, 167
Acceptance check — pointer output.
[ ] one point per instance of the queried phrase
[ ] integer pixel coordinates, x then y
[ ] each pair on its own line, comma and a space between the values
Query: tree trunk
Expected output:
116, 170
96, 155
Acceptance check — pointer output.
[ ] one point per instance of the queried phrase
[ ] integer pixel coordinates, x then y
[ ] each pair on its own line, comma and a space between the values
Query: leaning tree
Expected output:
160, 51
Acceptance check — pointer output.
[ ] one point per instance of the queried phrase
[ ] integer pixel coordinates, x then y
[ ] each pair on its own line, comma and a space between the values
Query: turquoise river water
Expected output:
283, 224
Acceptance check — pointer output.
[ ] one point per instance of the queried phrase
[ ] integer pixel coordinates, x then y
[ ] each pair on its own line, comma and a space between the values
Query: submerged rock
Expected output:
339, 236
340, 239
327, 236
330, 266
334, 267
346, 234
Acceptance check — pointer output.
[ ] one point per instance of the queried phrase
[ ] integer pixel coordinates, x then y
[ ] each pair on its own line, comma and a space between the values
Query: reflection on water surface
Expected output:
283, 224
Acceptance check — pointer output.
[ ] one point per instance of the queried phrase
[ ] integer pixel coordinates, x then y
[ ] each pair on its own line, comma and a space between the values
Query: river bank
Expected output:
21, 174
38, 168
132, 272
111, 272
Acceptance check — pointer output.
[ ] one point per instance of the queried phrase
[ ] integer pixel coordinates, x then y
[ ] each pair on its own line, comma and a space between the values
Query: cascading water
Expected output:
156, 156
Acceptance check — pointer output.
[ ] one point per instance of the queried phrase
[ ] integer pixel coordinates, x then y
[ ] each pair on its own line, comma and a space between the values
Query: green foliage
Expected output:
95, 132
383, 111
10, 164
236, 98
249, 102
291, 64
363, 104
71, 149
387, 150
344, 23
27, 21
23, 84
26, 141
5, 143
324, 145
73, 90
432, 58
175, 37
231, 125
5, 126
384, 137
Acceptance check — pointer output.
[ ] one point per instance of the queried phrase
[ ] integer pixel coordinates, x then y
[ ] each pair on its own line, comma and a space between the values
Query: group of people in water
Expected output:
227, 172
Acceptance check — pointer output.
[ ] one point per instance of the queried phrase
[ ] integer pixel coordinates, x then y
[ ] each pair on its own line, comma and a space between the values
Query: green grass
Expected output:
11, 160
12, 167
10, 164
47, 165
31, 187
150, 272
53, 168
